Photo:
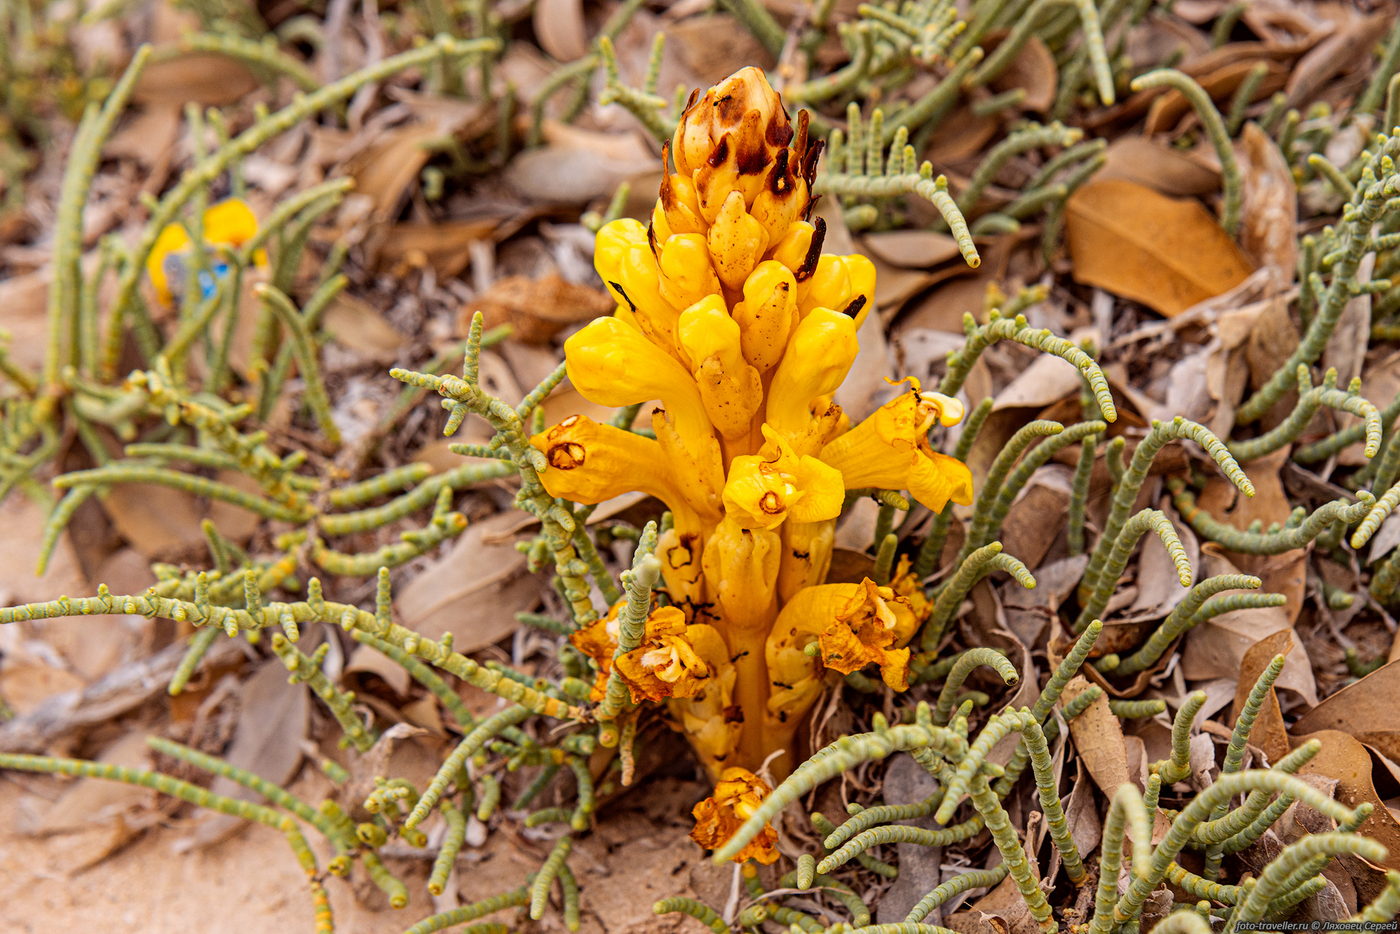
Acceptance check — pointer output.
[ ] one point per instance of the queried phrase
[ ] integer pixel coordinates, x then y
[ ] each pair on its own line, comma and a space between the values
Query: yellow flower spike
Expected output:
737, 795
862, 273
736, 242
820, 353
776, 484
871, 629
741, 573
613, 364
890, 450
731, 389
686, 273
767, 314
807, 550
590, 463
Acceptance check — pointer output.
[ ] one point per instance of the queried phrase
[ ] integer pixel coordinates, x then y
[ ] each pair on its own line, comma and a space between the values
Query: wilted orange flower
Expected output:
670, 662
737, 795
868, 630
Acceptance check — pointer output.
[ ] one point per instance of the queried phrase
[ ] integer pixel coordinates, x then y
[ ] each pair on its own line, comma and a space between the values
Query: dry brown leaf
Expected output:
1220, 83
1340, 52
1368, 709
1269, 733
445, 246
597, 163
1157, 166
536, 308
911, 249
1036, 519
158, 521
1168, 254
1034, 70
1269, 232
560, 28
1346, 759
356, 324
206, 78
1098, 738
475, 590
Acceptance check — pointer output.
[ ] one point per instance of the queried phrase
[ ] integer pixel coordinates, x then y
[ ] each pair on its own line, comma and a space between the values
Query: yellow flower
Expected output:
613, 364
229, 224
741, 574
807, 551
890, 450
870, 629
776, 484
736, 797
590, 463
844, 283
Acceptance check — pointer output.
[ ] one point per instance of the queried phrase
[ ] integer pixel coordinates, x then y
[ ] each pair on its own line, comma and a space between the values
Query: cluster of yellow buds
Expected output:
732, 318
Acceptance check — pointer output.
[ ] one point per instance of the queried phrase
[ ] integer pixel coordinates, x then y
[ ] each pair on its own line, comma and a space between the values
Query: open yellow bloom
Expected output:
231, 223
736, 797
673, 660
775, 484
890, 450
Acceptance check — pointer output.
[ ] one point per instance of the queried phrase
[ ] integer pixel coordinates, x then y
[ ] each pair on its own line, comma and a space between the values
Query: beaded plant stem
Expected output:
984, 511
932, 548
1148, 520
1295, 856
638, 582
303, 345
976, 566
1182, 617
1214, 125
464, 395
1375, 194
976, 879
544, 879
1126, 492
1178, 767
486, 906
421, 673
307, 668
452, 766
1234, 752
970, 775
1310, 399
967, 662
997, 328
1226, 787
197, 178
698, 910
1338, 512
1125, 813
1036, 458
165, 784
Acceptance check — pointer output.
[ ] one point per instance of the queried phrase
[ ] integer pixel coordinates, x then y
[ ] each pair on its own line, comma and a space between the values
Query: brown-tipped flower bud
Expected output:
743, 108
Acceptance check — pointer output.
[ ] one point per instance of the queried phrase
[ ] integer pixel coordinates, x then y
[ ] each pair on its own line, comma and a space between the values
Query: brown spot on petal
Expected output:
814, 253
770, 503
720, 153
854, 307
567, 455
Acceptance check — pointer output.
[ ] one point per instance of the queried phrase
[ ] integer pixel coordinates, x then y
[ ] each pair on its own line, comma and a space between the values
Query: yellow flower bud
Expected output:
767, 314
821, 351
731, 389
743, 97
686, 273
782, 199
776, 484
677, 211
736, 241
800, 248
829, 286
